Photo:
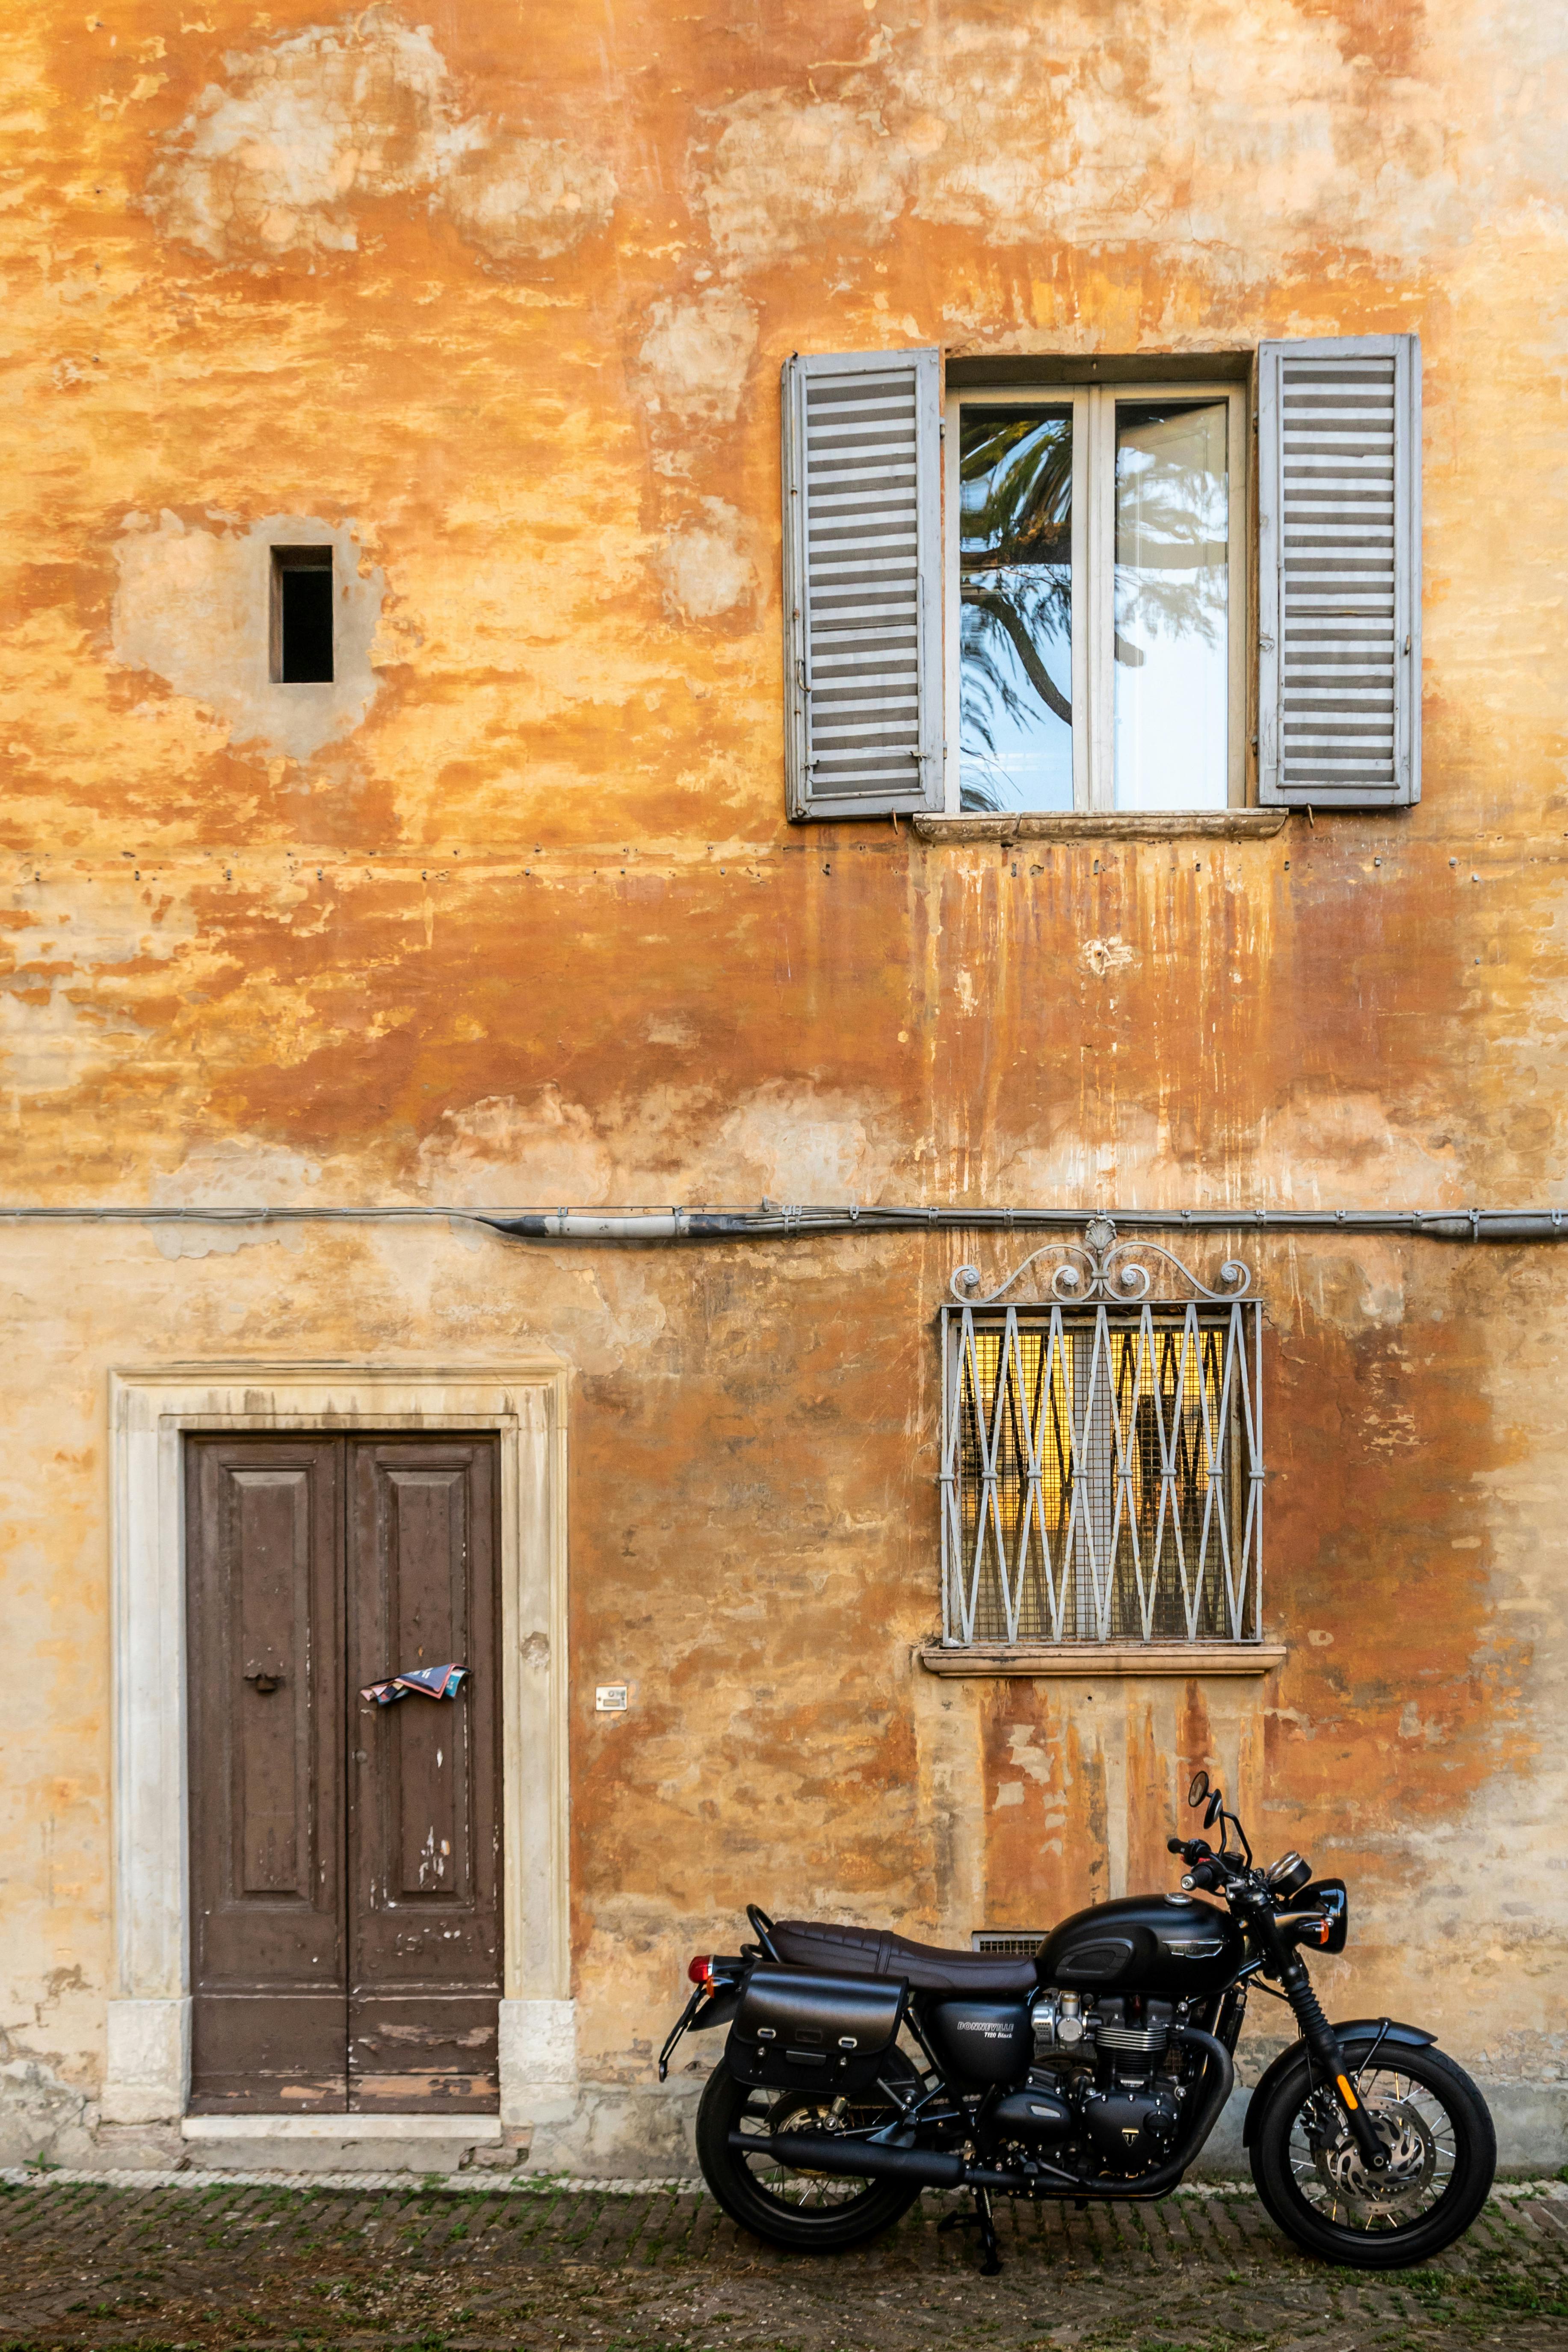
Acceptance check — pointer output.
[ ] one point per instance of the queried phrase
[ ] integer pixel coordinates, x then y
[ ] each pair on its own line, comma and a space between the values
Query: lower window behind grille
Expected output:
1103, 1475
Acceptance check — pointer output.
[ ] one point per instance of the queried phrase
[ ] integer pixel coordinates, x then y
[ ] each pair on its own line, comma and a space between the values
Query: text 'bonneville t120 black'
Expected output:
861, 2068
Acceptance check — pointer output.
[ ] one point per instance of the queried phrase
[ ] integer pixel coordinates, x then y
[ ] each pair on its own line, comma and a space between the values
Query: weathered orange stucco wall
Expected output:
512, 915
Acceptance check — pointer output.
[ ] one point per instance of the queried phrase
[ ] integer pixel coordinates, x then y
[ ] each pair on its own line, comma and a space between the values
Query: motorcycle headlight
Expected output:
1320, 1915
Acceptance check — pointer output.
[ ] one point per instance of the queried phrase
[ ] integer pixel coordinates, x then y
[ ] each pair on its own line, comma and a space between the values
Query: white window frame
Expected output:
1093, 675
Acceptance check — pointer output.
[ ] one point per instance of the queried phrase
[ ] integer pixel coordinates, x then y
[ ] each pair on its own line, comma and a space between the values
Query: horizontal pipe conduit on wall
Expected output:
774, 1221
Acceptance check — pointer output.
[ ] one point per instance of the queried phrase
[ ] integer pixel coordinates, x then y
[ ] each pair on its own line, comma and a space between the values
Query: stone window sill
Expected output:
1110, 825
1088, 1662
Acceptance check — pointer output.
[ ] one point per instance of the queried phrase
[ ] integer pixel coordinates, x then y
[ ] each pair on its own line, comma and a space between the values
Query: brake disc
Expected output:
1412, 2160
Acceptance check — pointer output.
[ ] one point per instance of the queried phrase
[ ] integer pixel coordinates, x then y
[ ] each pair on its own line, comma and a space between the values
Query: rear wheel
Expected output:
809, 2213
1442, 2153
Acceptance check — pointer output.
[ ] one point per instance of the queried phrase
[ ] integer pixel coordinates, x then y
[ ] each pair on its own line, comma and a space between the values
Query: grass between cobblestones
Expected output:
257, 2266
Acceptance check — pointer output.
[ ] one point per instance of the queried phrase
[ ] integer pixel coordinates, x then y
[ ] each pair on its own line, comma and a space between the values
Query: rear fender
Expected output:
1358, 2029
707, 2006
719, 2010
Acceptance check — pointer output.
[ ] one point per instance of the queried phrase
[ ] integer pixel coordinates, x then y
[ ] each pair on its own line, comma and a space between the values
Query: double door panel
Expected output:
345, 1858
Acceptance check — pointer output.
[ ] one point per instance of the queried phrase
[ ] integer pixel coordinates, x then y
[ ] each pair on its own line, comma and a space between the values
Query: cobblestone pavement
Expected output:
218, 2263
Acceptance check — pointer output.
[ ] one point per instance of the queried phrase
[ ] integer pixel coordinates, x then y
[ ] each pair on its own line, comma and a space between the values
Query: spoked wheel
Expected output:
810, 2212
1442, 2153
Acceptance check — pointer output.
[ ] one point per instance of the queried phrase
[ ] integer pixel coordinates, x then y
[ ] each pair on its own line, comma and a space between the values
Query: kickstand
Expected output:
980, 2219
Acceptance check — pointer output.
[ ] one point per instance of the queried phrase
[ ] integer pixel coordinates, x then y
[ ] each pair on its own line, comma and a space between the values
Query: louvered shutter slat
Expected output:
862, 508
1340, 572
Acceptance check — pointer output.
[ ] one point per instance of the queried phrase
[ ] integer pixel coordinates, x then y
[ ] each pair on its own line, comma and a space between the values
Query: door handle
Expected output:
264, 1680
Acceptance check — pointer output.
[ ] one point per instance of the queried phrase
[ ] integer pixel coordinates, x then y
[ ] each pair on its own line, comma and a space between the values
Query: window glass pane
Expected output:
1172, 667
1015, 608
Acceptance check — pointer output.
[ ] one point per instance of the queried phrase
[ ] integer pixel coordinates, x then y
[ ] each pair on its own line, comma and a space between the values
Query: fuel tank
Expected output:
1167, 1944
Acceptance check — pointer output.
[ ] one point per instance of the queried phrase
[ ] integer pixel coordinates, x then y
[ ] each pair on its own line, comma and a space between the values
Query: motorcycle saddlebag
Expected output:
799, 2031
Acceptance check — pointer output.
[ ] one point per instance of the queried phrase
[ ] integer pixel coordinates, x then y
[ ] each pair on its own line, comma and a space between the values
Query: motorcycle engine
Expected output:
1130, 2113
1125, 2116
1133, 2127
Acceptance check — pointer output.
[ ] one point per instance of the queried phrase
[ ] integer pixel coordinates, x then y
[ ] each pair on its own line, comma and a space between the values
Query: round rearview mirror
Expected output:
1198, 1790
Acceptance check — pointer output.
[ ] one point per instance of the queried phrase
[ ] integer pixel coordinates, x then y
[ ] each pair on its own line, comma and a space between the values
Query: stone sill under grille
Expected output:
1090, 1661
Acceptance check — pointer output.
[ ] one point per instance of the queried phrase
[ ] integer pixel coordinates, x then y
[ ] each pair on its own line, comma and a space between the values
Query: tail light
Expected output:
700, 1970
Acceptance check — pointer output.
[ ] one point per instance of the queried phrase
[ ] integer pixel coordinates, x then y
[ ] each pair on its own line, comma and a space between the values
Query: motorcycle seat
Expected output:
878, 1952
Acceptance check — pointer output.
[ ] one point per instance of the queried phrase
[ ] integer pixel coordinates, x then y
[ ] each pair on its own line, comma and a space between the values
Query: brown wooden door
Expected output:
345, 1857
264, 1521
424, 1811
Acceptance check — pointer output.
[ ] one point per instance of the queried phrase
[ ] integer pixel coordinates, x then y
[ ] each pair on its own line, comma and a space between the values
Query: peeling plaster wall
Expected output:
301, 136
510, 914
192, 607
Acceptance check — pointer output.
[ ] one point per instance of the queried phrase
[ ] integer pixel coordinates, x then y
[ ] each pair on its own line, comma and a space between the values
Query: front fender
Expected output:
1358, 2029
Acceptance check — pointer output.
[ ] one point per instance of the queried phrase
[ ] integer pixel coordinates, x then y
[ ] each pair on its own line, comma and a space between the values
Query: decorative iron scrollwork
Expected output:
1102, 1267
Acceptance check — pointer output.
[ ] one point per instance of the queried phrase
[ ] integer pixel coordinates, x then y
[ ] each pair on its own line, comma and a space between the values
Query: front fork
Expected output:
1324, 2044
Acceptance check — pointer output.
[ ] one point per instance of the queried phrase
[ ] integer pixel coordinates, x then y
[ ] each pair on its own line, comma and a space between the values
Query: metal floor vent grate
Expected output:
1023, 1942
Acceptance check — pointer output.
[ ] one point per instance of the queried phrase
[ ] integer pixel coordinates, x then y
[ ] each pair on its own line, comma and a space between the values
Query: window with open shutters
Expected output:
1062, 622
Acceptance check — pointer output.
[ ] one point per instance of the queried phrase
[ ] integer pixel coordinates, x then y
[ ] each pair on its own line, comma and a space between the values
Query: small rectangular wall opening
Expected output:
301, 631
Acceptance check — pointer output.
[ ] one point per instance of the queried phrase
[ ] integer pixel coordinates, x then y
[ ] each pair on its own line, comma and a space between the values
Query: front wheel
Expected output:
808, 2213
1442, 2153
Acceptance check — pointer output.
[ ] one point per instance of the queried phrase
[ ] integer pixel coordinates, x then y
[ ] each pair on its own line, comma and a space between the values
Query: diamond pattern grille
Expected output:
1103, 1475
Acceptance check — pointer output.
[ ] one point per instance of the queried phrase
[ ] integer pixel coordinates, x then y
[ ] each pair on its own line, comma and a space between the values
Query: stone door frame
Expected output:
147, 2072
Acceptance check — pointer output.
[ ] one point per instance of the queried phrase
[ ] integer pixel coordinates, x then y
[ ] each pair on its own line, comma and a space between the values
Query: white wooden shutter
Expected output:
1338, 435
862, 490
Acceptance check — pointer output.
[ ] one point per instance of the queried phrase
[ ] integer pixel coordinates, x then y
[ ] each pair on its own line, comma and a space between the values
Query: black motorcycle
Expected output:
1092, 2073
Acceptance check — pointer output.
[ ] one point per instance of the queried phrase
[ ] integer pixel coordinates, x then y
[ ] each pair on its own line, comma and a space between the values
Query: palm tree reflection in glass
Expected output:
1170, 625
1173, 593
1014, 609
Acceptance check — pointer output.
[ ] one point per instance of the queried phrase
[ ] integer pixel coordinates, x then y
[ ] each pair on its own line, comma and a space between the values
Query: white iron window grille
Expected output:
1103, 1455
